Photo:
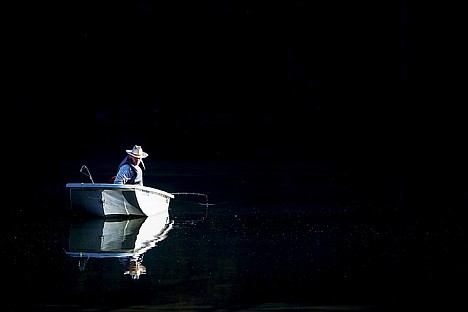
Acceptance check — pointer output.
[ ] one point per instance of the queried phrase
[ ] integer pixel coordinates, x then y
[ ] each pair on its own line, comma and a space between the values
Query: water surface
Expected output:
272, 236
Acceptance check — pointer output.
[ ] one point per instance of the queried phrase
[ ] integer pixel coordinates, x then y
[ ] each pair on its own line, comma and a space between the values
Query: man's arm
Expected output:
125, 173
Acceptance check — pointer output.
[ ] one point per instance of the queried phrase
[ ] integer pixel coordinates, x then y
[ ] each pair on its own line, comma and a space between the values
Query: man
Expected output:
130, 171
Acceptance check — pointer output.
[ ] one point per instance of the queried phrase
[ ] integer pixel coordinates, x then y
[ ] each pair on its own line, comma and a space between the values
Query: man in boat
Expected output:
131, 168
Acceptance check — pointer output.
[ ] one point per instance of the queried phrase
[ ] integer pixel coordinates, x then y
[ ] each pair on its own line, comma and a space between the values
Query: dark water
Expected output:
273, 237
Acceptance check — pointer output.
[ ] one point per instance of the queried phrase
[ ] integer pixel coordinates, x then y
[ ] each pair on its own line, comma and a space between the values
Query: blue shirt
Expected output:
129, 174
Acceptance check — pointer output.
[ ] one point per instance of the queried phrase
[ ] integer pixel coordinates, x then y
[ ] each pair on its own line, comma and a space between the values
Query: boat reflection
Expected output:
126, 239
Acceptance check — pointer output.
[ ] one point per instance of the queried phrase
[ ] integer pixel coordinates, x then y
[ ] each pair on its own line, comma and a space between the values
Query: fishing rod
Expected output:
189, 193
84, 170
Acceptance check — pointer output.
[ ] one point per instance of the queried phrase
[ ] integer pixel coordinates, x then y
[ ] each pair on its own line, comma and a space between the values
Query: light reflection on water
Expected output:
265, 241
125, 239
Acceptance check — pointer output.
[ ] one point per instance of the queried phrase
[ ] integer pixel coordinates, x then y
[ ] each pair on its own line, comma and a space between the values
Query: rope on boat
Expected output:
188, 193
87, 173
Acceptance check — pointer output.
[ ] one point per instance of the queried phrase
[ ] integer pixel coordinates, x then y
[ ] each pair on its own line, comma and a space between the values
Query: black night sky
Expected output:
369, 84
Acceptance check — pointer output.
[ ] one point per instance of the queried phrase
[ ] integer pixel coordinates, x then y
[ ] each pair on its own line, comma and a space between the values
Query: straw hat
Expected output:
137, 152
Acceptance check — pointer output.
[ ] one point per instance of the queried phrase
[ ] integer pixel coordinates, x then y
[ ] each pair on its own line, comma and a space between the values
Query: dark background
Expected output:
376, 86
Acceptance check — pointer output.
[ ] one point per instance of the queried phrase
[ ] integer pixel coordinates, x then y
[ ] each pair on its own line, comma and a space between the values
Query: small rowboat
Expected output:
105, 199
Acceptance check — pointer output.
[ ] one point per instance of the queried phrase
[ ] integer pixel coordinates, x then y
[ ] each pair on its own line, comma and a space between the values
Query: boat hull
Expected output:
105, 199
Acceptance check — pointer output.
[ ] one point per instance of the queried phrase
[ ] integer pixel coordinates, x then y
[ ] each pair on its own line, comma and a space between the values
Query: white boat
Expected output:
105, 199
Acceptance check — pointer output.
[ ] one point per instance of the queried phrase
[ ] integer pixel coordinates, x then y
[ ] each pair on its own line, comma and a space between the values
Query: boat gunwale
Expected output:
110, 186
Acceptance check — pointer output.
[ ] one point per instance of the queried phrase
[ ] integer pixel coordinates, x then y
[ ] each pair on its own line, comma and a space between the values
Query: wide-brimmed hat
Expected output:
137, 152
